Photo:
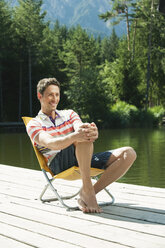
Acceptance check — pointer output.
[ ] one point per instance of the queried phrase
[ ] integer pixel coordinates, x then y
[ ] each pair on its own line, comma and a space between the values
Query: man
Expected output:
66, 141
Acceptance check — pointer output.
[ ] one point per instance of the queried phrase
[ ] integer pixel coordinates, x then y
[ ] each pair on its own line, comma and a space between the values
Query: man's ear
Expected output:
39, 95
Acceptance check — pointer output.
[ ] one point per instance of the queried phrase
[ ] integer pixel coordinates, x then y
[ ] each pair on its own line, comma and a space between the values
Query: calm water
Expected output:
148, 170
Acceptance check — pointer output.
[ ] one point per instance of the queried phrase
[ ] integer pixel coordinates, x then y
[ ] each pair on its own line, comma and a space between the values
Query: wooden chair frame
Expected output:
72, 173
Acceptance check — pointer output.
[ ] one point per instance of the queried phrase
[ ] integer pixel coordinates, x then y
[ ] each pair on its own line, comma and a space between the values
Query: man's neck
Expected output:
51, 114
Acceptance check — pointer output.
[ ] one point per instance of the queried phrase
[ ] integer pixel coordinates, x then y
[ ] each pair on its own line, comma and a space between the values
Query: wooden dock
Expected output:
137, 218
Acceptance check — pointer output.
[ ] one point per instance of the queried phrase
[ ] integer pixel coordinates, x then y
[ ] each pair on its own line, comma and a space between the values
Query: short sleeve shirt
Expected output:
62, 125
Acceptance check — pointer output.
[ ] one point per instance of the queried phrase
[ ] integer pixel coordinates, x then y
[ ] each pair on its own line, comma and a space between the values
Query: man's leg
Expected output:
87, 201
118, 164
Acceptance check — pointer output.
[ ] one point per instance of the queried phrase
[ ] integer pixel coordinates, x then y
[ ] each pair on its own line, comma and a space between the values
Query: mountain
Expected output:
83, 12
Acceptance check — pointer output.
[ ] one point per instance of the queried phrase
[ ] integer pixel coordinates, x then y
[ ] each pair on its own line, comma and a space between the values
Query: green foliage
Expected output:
121, 10
149, 50
109, 46
29, 21
122, 78
126, 115
104, 80
158, 112
123, 115
6, 41
5, 27
80, 55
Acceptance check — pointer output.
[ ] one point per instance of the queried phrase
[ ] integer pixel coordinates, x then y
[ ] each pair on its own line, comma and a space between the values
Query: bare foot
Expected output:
87, 202
82, 206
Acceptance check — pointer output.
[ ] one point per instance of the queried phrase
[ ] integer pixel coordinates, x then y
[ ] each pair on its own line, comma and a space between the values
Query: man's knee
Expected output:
130, 154
125, 153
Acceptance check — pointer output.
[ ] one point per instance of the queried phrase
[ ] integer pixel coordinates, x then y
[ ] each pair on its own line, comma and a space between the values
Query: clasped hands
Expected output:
87, 132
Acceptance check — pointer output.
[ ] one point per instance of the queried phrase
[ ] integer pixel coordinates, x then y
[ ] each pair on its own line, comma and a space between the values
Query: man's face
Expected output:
50, 99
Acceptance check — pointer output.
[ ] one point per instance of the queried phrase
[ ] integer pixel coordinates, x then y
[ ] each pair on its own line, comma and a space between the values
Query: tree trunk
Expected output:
30, 82
1, 94
20, 91
134, 39
149, 58
148, 67
128, 33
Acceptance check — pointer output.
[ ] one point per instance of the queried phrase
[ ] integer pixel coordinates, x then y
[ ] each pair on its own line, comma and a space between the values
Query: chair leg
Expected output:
62, 198
103, 204
110, 202
58, 197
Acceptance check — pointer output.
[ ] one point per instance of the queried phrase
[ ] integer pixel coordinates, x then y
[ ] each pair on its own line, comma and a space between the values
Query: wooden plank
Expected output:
136, 214
37, 174
105, 217
95, 230
133, 187
6, 242
38, 182
113, 214
122, 199
117, 187
19, 192
31, 238
136, 220
61, 234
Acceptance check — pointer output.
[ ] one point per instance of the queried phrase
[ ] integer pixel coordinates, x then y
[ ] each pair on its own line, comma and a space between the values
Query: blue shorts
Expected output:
66, 158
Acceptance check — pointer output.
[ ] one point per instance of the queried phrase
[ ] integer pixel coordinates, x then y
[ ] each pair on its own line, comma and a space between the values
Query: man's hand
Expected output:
87, 132
93, 132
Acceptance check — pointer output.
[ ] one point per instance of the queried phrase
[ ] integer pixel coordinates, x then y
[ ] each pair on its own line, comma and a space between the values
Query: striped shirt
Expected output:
62, 125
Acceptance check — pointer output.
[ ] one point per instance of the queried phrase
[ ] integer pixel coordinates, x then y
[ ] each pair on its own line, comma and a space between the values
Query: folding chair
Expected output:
72, 173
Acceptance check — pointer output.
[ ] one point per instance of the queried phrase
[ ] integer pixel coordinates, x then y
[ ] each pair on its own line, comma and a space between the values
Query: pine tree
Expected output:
121, 10
109, 46
79, 56
29, 26
5, 37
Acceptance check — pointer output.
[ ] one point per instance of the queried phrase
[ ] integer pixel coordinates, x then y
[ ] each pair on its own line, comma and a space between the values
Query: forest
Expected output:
113, 81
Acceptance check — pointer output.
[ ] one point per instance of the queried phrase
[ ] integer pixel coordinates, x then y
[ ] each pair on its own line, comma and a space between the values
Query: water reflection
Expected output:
148, 170
16, 150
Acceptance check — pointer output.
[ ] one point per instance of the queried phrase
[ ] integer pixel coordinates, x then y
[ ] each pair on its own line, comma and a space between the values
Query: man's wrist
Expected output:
74, 137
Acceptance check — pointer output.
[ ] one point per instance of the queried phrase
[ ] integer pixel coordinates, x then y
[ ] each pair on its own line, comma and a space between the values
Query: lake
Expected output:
148, 169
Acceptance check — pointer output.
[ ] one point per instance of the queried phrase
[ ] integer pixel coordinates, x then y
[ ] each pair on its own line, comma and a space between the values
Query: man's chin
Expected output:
53, 107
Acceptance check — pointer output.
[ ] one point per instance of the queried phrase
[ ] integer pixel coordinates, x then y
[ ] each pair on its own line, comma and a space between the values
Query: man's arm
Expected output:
80, 135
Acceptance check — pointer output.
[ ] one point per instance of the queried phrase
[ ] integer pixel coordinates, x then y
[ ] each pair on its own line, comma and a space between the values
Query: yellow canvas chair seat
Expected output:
72, 173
